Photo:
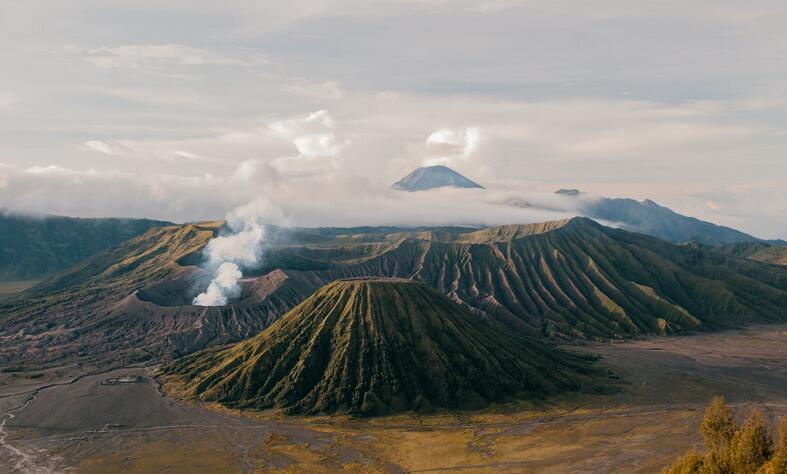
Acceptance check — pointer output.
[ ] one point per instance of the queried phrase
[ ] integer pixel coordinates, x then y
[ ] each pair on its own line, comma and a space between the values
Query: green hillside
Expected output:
374, 347
33, 247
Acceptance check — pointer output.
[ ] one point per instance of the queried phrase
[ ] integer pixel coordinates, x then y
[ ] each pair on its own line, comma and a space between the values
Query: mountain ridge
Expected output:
651, 218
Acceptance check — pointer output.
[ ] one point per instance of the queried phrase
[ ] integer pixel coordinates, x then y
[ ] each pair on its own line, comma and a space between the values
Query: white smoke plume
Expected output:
223, 286
227, 255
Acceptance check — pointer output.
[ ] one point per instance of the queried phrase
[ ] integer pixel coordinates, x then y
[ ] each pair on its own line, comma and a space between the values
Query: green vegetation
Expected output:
120, 270
731, 449
33, 247
372, 347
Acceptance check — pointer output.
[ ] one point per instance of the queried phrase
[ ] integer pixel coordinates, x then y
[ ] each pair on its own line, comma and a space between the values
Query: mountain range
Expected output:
32, 247
648, 217
566, 280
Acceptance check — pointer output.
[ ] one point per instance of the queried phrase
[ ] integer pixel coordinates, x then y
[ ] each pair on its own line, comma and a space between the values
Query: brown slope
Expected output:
110, 310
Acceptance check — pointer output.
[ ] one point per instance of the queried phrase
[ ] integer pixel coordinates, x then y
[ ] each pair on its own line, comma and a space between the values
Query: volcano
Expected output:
570, 280
379, 346
431, 177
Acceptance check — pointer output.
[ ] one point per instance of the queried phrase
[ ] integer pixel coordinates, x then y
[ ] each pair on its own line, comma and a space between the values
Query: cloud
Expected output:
7, 99
757, 210
320, 145
105, 148
187, 154
446, 146
321, 200
290, 128
137, 56
143, 151
494, 6
314, 138
193, 101
322, 91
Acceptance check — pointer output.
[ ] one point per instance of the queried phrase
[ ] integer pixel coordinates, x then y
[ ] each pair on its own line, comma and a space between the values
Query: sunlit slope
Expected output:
126, 268
581, 279
91, 312
759, 251
379, 346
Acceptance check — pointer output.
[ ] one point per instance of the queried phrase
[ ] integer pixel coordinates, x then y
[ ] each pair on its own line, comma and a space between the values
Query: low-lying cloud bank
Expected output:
330, 199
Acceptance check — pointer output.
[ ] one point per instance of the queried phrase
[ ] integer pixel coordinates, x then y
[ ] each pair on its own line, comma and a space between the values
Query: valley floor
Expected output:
9, 288
112, 421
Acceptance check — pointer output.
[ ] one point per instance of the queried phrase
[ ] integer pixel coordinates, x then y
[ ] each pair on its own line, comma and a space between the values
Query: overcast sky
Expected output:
183, 110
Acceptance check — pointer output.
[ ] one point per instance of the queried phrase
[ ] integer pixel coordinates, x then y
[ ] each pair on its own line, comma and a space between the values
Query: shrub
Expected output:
734, 450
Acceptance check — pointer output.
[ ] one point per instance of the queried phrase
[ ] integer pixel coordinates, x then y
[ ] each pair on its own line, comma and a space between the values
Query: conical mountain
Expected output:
379, 346
430, 177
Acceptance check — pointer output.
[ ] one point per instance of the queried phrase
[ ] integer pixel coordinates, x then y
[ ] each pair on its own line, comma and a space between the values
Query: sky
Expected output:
184, 110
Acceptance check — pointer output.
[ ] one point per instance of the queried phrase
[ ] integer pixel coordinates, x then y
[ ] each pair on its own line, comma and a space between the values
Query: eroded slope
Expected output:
379, 346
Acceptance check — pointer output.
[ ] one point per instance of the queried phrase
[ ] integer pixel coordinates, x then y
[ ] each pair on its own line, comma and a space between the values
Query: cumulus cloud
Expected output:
315, 140
446, 146
292, 127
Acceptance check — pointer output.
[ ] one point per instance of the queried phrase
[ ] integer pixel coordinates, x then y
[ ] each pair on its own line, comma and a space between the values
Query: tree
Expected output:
752, 445
718, 427
778, 463
689, 463
733, 450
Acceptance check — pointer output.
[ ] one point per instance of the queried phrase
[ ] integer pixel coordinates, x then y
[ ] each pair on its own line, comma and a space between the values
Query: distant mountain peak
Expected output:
431, 177
569, 192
